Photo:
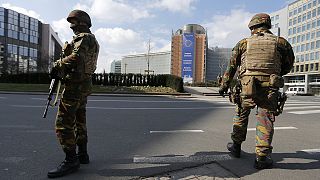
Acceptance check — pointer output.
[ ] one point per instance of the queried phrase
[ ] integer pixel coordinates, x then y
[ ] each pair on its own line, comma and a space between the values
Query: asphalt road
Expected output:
132, 137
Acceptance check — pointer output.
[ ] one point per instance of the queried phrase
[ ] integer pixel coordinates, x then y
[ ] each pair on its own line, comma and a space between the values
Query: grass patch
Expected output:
13, 87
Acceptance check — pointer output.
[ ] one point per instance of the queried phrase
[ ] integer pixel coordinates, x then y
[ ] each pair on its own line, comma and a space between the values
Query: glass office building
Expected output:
21, 42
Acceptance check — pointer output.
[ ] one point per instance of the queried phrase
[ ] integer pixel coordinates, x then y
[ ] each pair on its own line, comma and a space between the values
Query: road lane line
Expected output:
178, 131
305, 112
303, 107
311, 151
141, 108
275, 128
3, 98
27, 106
183, 159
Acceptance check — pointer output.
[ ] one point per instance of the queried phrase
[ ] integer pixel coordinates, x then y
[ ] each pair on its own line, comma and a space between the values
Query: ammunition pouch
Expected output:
234, 94
248, 86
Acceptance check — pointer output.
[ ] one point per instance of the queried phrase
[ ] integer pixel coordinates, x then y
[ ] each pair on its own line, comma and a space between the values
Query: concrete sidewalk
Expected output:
202, 91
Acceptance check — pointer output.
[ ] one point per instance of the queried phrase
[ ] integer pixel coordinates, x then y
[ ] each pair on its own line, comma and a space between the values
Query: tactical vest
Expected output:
261, 56
88, 62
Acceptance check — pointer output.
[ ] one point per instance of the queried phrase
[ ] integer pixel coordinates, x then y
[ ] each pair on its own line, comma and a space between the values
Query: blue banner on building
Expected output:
187, 57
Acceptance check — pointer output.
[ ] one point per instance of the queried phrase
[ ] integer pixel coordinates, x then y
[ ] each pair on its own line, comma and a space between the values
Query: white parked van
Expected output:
296, 91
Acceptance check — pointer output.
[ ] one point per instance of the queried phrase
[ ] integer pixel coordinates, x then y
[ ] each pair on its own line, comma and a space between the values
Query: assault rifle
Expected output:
56, 82
54, 86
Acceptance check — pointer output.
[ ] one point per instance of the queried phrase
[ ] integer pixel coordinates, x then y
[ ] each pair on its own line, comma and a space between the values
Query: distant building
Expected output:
26, 43
279, 21
188, 53
115, 67
301, 28
159, 63
217, 62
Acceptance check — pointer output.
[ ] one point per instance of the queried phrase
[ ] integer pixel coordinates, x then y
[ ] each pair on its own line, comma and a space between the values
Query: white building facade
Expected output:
299, 23
154, 63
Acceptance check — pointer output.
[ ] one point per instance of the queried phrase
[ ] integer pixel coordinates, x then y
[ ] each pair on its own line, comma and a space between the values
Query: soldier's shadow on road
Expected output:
159, 166
291, 161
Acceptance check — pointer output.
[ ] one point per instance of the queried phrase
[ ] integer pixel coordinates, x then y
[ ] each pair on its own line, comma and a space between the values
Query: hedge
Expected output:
104, 79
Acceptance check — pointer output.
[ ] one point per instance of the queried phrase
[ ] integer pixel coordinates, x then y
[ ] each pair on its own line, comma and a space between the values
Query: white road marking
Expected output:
119, 100
182, 159
3, 97
27, 106
303, 107
275, 128
178, 131
42, 99
305, 112
141, 108
160, 108
311, 151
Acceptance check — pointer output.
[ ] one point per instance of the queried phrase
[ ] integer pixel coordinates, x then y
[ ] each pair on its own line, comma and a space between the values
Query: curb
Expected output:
105, 94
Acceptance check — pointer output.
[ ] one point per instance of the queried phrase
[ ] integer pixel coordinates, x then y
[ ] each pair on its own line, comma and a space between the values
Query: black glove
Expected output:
223, 90
54, 73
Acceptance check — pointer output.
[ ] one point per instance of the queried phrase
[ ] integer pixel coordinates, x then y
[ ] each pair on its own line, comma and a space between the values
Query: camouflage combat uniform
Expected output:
79, 65
264, 96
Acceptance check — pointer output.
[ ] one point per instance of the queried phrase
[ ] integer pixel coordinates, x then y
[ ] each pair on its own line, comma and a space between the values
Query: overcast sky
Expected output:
123, 27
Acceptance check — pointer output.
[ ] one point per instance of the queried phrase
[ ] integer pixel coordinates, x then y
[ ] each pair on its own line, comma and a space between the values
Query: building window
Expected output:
297, 68
307, 67
290, 13
289, 31
304, 7
308, 36
303, 47
302, 58
277, 16
314, 3
317, 67
302, 38
299, 10
301, 68
312, 56
298, 38
290, 22
314, 13
304, 17
318, 44
317, 55
309, 15
309, 5
311, 67
307, 46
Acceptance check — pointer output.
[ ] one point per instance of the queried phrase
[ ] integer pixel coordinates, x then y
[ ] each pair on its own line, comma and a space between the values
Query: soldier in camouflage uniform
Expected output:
260, 60
77, 67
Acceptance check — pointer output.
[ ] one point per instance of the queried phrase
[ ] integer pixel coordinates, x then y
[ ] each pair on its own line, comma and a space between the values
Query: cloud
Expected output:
115, 43
22, 10
174, 5
114, 11
62, 26
227, 30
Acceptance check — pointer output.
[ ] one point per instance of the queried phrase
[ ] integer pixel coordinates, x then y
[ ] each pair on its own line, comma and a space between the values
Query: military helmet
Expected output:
260, 19
80, 16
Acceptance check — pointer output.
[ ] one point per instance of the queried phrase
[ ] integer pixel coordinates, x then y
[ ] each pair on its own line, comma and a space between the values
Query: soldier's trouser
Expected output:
264, 128
71, 117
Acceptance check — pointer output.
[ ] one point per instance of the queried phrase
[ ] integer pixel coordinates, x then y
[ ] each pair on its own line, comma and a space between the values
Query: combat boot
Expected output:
69, 165
263, 162
83, 154
235, 149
